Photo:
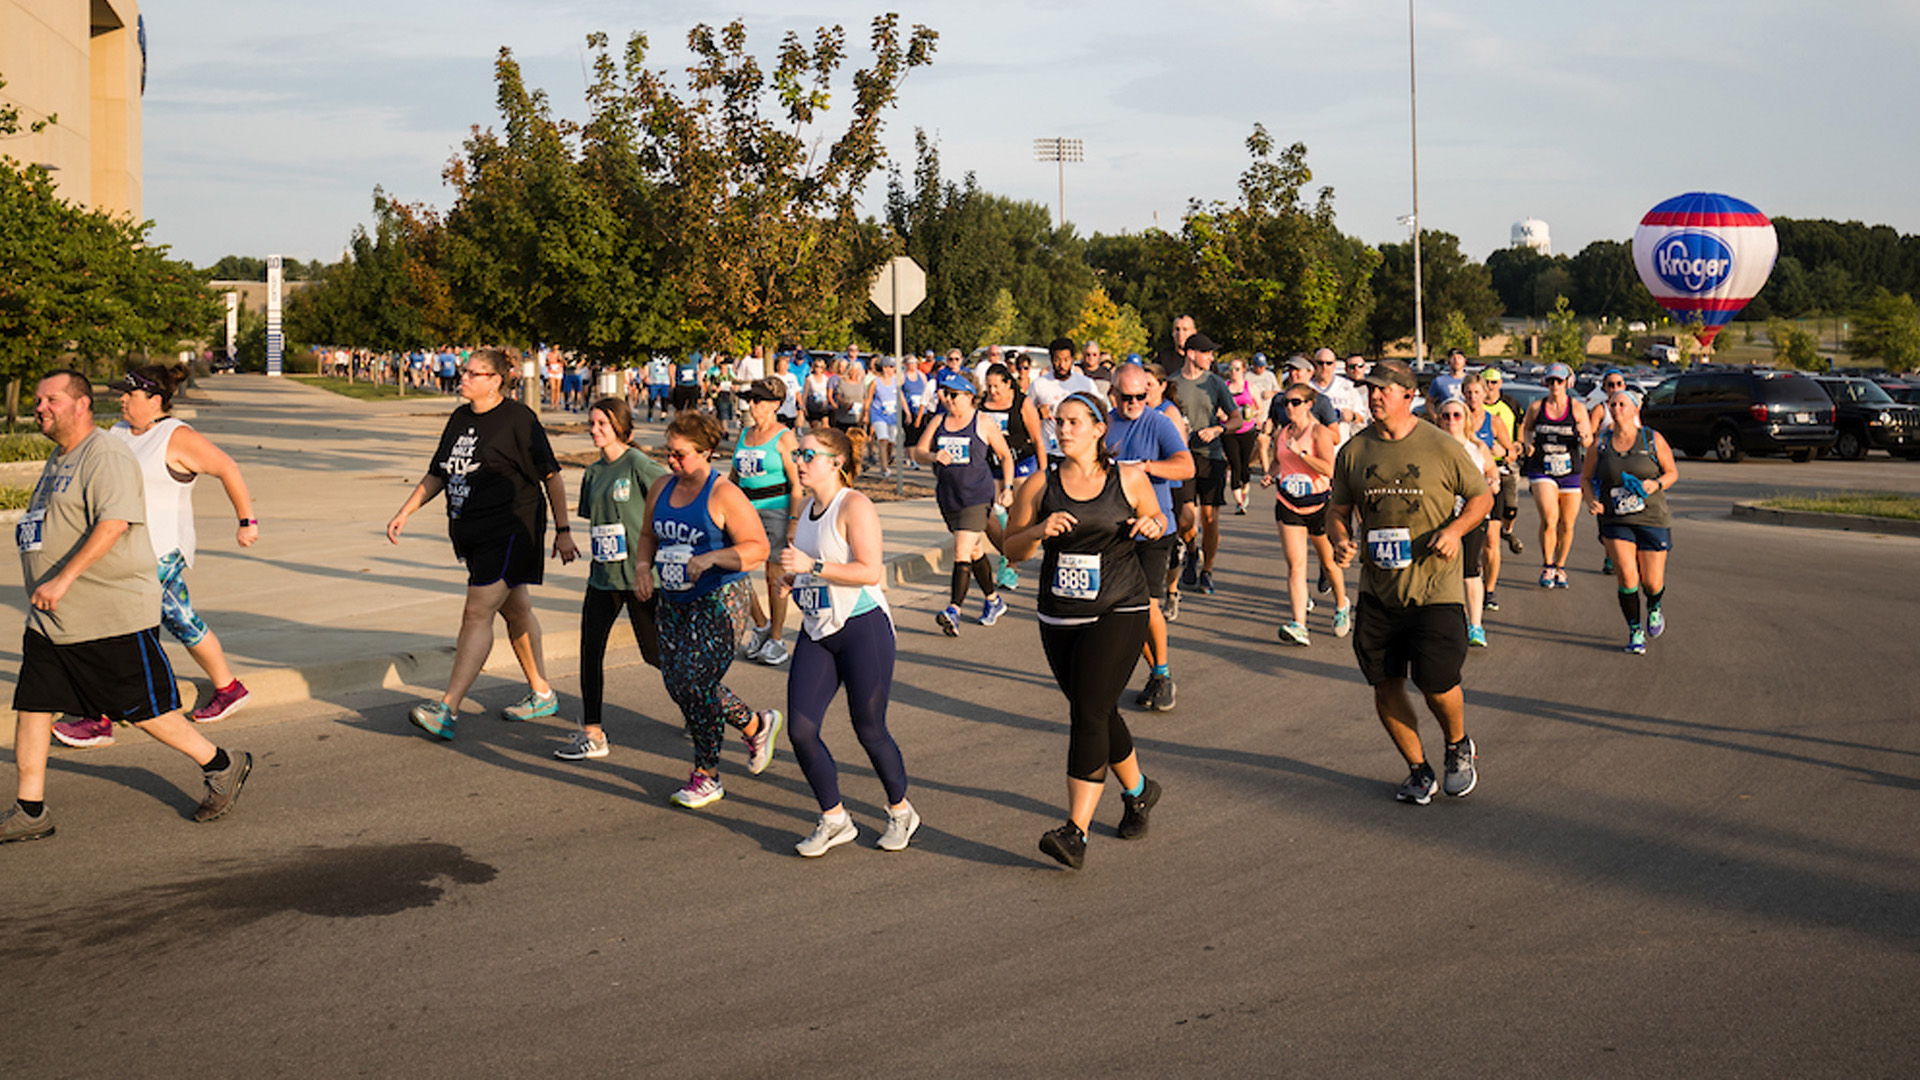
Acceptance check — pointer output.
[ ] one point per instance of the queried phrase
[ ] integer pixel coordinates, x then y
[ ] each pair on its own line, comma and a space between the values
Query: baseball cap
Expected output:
767, 390
1297, 362
957, 381
1559, 371
1201, 343
1392, 373
1493, 374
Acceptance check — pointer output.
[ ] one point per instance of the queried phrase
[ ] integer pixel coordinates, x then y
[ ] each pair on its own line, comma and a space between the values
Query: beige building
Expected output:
83, 62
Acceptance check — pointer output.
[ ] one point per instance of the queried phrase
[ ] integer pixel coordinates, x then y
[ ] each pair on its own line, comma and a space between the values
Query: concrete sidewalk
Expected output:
323, 607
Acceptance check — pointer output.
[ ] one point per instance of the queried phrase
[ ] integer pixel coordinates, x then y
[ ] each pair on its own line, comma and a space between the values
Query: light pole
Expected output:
1062, 151
1413, 219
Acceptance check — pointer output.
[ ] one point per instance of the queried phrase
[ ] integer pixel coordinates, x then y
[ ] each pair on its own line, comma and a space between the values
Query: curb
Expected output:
1806, 519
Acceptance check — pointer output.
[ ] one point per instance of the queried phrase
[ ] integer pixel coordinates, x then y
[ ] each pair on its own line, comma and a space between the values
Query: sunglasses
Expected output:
1292, 401
476, 373
1124, 398
685, 455
1452, 414
805, 457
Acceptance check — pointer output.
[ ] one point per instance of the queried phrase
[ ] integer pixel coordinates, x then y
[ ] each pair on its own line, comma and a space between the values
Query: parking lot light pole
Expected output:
1061, 151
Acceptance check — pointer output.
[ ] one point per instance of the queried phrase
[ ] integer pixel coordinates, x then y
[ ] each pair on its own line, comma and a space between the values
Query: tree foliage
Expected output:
1887, 328
1116, 327
1450, 283
1794, 347
1565, 340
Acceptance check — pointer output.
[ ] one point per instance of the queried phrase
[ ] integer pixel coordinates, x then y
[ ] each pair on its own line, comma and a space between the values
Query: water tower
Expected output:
1532, 233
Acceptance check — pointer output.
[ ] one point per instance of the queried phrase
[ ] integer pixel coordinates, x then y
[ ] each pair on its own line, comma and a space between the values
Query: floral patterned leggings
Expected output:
697, 642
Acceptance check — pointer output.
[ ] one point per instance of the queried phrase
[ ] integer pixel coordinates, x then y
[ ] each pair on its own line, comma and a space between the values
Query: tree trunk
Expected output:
13, 400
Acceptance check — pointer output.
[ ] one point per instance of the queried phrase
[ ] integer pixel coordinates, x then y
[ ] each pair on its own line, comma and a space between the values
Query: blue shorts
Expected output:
1643, 537
657, 391
176, 607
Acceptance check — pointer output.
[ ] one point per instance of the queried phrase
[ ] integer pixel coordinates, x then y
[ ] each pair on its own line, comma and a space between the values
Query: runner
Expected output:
686, 384
92, 641
1492, 429
1089, 515
1186, 519
1051, 387
1453, 413
1242, 438
659, 383
613, 499
1502, 411
702, 537
882, 410
1626, 477
1612, 381
1302, 456
1138, 435
1555, 435
1206, 403
763, 469
835, 567
494, 462
958, 445
1003, 402
1402, 476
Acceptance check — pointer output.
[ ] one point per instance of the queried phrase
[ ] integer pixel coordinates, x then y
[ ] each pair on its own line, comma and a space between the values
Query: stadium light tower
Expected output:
1060, 151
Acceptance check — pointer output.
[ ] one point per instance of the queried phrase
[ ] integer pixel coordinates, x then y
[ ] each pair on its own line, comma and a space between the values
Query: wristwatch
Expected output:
244, 522
817, 567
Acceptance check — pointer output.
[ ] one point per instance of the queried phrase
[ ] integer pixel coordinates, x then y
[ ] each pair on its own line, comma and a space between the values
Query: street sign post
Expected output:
897, 289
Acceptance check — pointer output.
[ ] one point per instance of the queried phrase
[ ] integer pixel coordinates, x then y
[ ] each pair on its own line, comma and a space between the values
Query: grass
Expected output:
1886, 504
365, 391
15, 498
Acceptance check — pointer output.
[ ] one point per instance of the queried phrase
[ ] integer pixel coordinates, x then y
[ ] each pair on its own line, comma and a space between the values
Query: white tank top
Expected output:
826, 608
169, 501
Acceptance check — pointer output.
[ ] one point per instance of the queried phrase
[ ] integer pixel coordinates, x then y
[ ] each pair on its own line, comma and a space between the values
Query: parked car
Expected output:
1869, 419
1905, 393
1732, 413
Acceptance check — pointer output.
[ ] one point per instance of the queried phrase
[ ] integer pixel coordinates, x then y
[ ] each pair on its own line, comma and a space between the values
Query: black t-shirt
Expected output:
495, 464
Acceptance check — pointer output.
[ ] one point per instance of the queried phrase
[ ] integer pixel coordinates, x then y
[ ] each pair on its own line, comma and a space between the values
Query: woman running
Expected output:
882, 410
958, 444
1301, 475
172, 456
1555, 435
834, 567
1242, 436
702, 537
1626, 478
1454, 421
763, 469
1010, 409
1087, 514
495, 464
1490, 427
613, 499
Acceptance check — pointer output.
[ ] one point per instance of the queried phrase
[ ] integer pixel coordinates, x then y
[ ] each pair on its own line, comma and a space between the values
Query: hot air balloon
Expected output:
1703, 256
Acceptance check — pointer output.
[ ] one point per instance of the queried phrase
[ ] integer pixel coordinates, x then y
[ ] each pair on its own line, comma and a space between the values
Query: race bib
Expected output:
1004, 420
1297, 485
1077, 577
750, 463
672, 561
1557, 462
1390, 549
609, 542
958, 447
812, 595
1626, 502
27, 531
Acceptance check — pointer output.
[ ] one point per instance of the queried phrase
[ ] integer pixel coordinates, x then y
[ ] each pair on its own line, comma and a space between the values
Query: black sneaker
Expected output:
1206, 582
1419, 787
1190, 571
1325, 584
1133, 819
1163, 695
1066, 844
1493, 602
1144, 698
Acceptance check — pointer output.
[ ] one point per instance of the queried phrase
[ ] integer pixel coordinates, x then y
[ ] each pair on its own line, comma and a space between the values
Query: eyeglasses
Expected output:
805, 457
1125, 398
683, 455
477, 373
1292, 401
1551, 379
1323, 363
1452, 414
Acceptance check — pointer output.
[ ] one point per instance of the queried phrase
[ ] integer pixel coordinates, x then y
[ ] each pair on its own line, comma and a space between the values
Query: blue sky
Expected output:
267, 126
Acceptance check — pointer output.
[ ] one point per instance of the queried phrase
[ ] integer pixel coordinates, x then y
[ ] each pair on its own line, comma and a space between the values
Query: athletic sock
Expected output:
33, 807
957, 592
1630, 606
1457, 745
1653, 598
983, 573
1134, 791
1162, 670
220, 761
836, 818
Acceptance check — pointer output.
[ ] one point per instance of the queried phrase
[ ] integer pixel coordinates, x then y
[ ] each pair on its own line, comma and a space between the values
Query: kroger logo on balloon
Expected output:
1693, 262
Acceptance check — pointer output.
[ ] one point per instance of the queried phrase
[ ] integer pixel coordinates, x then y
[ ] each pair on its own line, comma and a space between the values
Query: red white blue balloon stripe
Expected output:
1703, 256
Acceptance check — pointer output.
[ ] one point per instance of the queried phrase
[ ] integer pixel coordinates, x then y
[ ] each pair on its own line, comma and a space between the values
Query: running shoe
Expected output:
1656, 623
901, 825
1133, 815
1546, 577
1292, 633
1206, 582
773, 653
1637, 642
1172, 605
223, 787
1325, 584
949, 621
1145, 697
82, 734
1559, 577
1493, 603
16, 825
1419, 787
1067, 844
1514, 545
991, 610
433, 717
827, 835
761, 635
1461, 775
1190, 569
222, 704
1343, 620
533, 707
1007, 577
700, 790
1477, 636
1606, 566
760, 743
1162, 700
581, 747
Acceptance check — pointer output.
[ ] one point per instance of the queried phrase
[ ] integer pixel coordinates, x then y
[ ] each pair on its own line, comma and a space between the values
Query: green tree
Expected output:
1794, 346
1143, 271
1605, 283
1450, 283
1116, 327
1787, 294
1454, 332
1565, 340
1527, 281
1887, 328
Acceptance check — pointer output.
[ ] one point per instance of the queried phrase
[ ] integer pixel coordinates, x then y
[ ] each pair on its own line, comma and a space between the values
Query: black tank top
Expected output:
1094, 568
1556, 444
1014, 427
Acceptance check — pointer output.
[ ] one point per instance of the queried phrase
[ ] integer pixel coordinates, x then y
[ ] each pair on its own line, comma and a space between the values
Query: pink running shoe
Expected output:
223, 704
82, 734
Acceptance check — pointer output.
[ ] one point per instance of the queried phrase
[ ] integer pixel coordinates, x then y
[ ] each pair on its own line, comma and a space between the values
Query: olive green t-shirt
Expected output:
1405, 490
613, 499
96, 481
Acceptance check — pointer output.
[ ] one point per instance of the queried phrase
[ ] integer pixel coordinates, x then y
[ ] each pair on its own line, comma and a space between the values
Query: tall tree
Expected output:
1143, 271
1606, 283
1449, 282
1887, 328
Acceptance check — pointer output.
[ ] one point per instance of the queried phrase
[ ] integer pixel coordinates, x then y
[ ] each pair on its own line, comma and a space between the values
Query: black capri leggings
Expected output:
597, 614
1093, 664
1240, 450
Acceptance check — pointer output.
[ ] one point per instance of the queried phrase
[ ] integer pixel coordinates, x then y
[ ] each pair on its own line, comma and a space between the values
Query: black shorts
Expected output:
684, 397
1315, 522
1182, 494
1155, 556
1473, 551
518, 558
1209, 480
967, 518
126, 678
1507, 503
1428, 640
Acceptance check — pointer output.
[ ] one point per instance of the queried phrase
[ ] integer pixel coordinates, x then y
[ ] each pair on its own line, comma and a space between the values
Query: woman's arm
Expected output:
734, 515
188, 451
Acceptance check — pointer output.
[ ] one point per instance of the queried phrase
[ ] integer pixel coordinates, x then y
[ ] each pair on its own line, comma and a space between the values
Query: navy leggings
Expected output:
860, 658
1093, 663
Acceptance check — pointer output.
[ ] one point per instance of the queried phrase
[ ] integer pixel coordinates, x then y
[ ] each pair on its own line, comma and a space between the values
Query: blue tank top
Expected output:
969, 480
681, 533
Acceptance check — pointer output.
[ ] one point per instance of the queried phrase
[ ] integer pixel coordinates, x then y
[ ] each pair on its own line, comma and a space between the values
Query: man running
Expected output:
1138, 435
1051, 387
1206, 403
1405, 477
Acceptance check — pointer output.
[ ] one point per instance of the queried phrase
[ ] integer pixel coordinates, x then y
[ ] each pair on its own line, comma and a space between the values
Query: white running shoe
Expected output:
827, 835
900, 829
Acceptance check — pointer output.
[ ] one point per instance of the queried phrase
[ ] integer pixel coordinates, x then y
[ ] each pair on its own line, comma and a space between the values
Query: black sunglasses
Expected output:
1130, 397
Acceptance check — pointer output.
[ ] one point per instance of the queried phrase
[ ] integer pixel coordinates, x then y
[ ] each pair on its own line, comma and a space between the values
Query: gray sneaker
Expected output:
1419, 787
900, 829
1162, 700
1461, 775
828, 834
16, 825
223, 787
582, 746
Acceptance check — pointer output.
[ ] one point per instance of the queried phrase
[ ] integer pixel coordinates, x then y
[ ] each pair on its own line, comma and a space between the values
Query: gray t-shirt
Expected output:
99, 480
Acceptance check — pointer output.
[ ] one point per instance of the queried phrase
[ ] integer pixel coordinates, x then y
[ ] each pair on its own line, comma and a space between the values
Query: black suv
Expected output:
1869, 419
1734, 413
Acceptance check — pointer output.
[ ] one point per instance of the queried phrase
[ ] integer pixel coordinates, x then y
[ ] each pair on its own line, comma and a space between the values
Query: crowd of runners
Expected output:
1114, 474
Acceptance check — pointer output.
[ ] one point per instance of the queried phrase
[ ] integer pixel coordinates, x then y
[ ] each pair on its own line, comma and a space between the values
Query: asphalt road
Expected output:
1705, 861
